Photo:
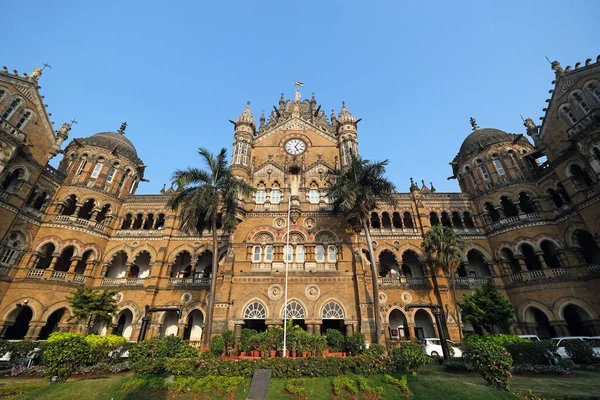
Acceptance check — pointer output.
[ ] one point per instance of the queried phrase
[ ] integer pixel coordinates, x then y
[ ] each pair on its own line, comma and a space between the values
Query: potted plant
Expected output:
272, 341
255, 341
321, 345
247, 341
304, 343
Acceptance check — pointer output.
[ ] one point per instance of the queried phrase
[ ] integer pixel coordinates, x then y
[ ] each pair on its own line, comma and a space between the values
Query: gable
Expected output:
294, 124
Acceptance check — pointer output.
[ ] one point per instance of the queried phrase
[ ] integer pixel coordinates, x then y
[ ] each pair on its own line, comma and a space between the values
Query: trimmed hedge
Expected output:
529, 353
498, 339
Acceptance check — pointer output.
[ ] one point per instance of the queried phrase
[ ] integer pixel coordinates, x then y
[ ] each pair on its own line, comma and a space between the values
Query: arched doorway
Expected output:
194, 326
124, 324
543, 328
255, 315
424, 325
388, 265
576, 317
52, 323
398, 322
333, 317
21, 317
169, 326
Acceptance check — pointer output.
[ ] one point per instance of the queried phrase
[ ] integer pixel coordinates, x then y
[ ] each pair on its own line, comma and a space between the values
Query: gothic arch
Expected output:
410, 246
543, 239
521, 242
560, 304
52, 240
193, 307
176, 252
145, 248
473, 246
523, 307
75, 244
131, 306
95, 252
412, 313
250, 303
263, 236
55, 307
389, 311
294, 300
160, 316
110, 256
249, 298
37, 309
569, 238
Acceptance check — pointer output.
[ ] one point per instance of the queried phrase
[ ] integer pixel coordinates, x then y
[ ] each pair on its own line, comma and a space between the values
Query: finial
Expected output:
588, 62
473, 124
555, 65
262, 118
432, 188
281, 101
122, 128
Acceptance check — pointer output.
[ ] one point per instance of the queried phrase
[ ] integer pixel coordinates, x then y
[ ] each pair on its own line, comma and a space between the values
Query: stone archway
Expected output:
399, 322
52, 323
194, 327
424, 325
20, 317
124, 324
577, 320
542, 328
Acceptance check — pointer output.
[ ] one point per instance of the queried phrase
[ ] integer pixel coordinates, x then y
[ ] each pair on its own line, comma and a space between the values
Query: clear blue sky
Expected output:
414, 71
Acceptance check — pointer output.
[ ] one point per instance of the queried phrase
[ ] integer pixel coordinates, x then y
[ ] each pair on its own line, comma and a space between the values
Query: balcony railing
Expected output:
123, 282
80, 221
78, 278
403, 281
202, 282
515, 220
469, 282
279, 266
58, 276
592, 268
4, 195
35, 273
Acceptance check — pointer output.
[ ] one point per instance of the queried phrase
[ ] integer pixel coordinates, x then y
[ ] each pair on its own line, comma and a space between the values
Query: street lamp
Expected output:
436, 309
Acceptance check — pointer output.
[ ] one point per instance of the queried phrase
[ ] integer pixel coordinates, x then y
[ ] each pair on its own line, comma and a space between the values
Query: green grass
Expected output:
431, 383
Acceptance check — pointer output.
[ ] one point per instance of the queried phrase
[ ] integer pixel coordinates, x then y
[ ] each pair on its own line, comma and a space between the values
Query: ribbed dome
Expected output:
112, 141
482, 138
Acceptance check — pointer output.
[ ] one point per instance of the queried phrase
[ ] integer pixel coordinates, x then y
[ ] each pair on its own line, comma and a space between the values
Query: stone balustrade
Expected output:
123, 282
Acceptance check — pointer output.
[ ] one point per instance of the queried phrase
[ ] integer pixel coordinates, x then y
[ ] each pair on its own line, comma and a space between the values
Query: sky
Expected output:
414, 72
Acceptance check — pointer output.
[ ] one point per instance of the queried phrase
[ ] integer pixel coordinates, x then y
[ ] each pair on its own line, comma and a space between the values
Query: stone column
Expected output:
521, 260
490, 267
181, 329
77, 209
317, 329
349, 329
540, 256
89, 268
560, 328
310, 328
34, 330
411, 330
32, 261
55, 257
501, 212
73, 265
128, 266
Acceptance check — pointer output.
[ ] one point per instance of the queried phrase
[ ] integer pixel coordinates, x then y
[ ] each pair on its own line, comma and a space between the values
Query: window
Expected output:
12, 250
13, 106
255, 310
300, 253
256, 254
96, 171
269, 253
499, 167
275, 196
582, 103
111, 175
288, 253
592, 87
567, 111
331, 253
484, 172
245, 155
24, 119
260, 196
133, 186
81, 167
314, 196
320, 253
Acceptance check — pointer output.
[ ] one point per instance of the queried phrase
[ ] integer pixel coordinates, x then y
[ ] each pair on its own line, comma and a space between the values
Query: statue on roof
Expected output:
529, 124
473, 124
297, 95
122, 128
37, 72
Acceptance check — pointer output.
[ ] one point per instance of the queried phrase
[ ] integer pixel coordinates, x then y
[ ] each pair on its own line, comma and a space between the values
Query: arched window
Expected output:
456, 220
103, 213
122, 182
332, 310
499, 167
555, 197
588, 246
581, 176
133, 185
294, 310
85, 212
40, 201
526, 203
255, 310
532, 262
149, 221
386, 222
275, 196
595, 90
256, 253
484, 172
12, 181
300, 253
331, 254
13, 249
320, 253
408, 221
160, 221
396, 220
81, 167
509, 208
24, 120
581, 102
433, 219
446, 220
513, 160
550, 254
375, 220
314, 196
127, 222
492, 212
512, 261
137, 223
260, 196
288, 253
468, 220
269, 253
11, 108
111, 175
96, 170
567, 112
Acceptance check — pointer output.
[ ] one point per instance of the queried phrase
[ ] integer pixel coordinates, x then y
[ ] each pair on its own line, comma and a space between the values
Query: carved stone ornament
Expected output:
186, 298
310, 223
275, 292
382, 298
279, 223
312, 292
406, 297
119, 297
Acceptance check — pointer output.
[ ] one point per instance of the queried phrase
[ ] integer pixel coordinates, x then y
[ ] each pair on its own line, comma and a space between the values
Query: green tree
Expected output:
354, 192
90, 306
487, 308
202, 198
441, 247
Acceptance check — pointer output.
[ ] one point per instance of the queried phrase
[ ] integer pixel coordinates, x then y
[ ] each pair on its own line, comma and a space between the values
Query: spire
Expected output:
262, 119
313, 101
345, 117
432, 188
413, 185
122, 128
246, 116
281, 102
473, 124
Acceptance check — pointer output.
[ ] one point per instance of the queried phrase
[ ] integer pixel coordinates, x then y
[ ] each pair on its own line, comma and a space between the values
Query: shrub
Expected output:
560, 369
355, 343
364, 387
375, 350
319, 343
401, 384
102, 346
64, 352
344, 382
246, 341
550, 345
528, 353
228, 340
217, 345
147, 383
409, 357
335, 340
296, 387
498, 339
492, 361
580, 351
148, 356
25, 349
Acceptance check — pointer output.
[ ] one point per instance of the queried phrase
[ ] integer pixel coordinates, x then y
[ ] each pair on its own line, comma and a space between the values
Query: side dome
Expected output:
481, 139
113, 141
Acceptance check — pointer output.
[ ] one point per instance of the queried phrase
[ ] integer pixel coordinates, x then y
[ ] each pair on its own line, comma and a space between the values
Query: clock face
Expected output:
295, 147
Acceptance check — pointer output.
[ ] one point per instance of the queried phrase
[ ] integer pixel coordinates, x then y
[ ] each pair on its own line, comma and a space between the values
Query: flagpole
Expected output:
285, 254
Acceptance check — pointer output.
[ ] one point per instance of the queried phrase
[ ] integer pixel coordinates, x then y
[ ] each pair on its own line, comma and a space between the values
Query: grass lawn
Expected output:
432, 382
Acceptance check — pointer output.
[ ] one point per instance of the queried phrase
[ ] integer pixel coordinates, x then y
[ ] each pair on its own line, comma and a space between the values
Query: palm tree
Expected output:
202, 198
355, 191
441, 246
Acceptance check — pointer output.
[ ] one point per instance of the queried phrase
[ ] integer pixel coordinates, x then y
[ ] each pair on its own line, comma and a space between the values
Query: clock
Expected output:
295, 147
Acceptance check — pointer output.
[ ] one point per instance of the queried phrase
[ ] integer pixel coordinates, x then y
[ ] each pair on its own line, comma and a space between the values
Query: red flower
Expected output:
510, 375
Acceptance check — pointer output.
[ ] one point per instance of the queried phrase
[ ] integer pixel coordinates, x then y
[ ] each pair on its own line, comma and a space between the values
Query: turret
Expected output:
347, 137
245, 130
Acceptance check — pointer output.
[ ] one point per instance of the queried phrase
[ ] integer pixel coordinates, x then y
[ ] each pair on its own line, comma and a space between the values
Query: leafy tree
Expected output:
441, 246
354, 192
203, 197
90, 305
487, 308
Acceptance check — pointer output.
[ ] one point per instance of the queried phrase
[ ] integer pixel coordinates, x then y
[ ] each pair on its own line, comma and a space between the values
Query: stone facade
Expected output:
529, 223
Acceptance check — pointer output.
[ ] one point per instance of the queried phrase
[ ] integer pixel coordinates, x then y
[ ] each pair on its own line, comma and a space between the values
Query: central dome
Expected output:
113, 141
482, 138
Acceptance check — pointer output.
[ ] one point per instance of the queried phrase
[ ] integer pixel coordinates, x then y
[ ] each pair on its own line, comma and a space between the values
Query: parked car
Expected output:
595, 342
433, 348
560, 344
533, 338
